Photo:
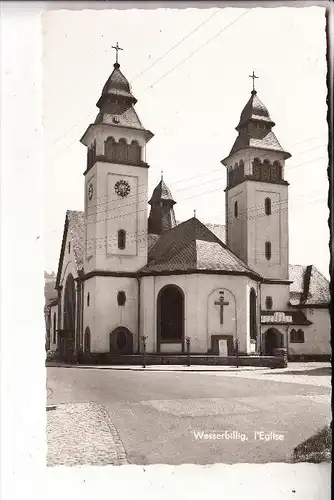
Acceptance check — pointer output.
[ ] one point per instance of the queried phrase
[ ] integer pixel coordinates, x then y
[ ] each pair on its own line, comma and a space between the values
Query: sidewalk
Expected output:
164, 368
82, 434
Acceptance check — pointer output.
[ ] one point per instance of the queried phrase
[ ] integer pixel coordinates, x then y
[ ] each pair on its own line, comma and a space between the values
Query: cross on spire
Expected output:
253, 76
117, 48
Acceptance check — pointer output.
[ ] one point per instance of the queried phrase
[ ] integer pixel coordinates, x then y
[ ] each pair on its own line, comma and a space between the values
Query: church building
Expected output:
130, 274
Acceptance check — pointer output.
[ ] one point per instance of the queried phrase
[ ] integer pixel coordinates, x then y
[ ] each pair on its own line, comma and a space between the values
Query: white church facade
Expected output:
129, 274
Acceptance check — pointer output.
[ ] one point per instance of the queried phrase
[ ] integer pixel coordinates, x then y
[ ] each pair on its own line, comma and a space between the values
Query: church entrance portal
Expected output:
273, 340
170, 328
67, 335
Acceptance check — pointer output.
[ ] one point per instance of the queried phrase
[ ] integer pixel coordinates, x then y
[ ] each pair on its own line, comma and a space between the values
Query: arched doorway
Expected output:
170, 316
273, 340
121, 341
68, 334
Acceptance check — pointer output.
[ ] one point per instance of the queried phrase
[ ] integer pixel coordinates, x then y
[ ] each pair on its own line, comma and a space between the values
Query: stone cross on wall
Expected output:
221, 303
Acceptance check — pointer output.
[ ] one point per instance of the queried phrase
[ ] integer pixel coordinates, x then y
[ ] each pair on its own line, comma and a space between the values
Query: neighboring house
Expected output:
50, 309
123, 274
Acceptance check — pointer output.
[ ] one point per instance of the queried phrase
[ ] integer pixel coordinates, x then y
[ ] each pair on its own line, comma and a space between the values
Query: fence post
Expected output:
143, 339
188, 350
237, 352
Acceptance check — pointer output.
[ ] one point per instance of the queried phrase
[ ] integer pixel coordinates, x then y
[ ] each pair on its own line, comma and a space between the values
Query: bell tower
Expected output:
116, 179
257, 195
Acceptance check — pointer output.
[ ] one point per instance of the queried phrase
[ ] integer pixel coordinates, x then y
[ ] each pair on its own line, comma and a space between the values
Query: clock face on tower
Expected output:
122, 188
90, 191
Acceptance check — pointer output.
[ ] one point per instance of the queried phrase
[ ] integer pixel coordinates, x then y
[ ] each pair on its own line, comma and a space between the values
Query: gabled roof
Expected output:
309, 286
75, 227
192, 247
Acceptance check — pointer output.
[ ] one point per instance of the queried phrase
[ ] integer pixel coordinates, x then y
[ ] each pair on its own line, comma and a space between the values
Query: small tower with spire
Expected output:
257, 193
162, 216
116, 180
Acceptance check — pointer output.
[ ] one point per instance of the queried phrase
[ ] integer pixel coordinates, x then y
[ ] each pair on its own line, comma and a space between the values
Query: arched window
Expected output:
267, 206
87, 340
257, 169
236, 209
266, 170
276, 171
110, 149
269, 302
88, 299
121, 237
54, 328
268, 250
122, 151
297, 337
121, 298
134, 152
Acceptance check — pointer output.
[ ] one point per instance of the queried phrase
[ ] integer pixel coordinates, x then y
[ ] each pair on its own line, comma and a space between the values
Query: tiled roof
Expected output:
284, 318
191, 246
268, 141
117, 84
309, 286
260, 138
122, 118
218, 230
254, 110
161, 192
151, 240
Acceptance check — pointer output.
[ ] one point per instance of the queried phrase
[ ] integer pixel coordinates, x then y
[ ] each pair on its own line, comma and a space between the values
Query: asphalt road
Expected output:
156, 414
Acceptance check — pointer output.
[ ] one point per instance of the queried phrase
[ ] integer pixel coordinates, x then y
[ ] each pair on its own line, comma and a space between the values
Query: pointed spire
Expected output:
195, 213
162, 175
161, 193
162, 216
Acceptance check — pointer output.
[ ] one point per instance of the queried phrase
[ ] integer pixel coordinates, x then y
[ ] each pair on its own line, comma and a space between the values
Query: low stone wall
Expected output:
310, 357
176, 359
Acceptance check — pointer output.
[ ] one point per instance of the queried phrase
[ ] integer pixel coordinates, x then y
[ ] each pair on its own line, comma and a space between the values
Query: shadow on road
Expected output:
323, 371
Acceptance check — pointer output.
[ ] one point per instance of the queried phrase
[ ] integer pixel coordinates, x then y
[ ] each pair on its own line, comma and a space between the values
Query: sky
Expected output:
189, 70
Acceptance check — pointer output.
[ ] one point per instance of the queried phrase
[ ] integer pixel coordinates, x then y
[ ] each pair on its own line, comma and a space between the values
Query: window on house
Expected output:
121, 239
268, 250
267, 206
54, 328
269, 302
121, 298
297, 336
236, 209
69, 247
88, 299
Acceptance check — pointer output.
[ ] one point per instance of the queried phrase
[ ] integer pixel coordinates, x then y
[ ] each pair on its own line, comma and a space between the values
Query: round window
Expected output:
121, 340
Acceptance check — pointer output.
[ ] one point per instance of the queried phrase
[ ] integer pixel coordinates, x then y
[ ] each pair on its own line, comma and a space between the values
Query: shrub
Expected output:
315, 449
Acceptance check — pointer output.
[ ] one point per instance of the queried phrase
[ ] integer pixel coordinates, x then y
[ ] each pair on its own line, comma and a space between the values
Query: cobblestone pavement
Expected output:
82, 434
